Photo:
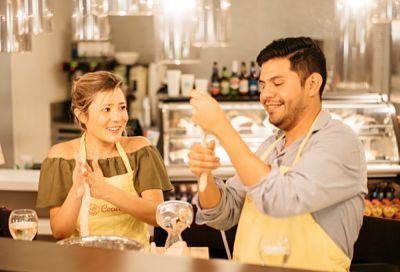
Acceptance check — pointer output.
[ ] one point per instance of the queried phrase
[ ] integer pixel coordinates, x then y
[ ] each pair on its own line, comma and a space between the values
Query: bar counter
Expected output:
48, 256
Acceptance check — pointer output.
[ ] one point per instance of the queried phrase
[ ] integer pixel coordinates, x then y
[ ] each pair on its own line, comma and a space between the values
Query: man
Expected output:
307, 182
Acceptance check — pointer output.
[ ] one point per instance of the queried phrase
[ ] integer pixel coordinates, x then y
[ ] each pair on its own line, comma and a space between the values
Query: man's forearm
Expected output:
211, 196
247, 165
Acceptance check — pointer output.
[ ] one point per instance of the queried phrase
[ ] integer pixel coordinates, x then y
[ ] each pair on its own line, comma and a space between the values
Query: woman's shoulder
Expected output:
135, 143
65, 150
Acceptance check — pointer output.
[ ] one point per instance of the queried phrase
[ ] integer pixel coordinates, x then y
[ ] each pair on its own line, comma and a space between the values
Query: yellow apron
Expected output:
104, 217
310, 247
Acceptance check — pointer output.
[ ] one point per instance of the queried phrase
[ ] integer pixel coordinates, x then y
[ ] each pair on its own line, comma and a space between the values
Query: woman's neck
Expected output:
96, 148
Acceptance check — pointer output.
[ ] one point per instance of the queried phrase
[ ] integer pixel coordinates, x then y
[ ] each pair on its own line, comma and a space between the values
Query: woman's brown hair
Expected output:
86, 87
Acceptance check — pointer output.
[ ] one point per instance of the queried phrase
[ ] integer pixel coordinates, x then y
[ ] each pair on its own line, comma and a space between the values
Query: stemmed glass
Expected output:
274, 250
23, 224
174, 216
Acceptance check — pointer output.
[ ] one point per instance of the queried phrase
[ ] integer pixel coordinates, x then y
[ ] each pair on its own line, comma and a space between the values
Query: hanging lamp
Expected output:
129, 7
89, 21
12, 39
213, 23
174, 28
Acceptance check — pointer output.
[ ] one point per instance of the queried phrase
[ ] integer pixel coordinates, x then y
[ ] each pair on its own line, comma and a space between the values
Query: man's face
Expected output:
282, 95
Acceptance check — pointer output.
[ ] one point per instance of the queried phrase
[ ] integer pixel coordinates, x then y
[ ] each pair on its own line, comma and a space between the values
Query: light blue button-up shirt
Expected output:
329, 181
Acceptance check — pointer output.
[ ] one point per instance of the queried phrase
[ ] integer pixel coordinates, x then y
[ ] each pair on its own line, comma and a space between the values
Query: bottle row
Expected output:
235, 83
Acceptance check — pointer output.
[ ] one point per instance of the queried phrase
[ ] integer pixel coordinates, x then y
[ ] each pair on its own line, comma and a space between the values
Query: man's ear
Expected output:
81, 116
313, 83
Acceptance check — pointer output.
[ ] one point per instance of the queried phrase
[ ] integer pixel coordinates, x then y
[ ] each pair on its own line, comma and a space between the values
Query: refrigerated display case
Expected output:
369, 115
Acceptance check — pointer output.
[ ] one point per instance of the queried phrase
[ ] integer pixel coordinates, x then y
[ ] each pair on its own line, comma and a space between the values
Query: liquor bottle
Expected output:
234, 80
215, 85
244, 82
253, 80
225, 81
389, 191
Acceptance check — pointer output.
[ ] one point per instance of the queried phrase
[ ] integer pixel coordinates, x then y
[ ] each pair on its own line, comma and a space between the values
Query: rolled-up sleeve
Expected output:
329, 172
226, 214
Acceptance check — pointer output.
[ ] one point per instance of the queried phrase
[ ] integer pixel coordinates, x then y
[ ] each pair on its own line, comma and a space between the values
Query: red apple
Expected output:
386, 201
367, 203
396, 200
376, 202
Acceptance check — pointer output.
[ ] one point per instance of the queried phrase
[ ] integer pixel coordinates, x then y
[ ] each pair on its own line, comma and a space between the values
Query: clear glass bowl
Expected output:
109, 242
174, 217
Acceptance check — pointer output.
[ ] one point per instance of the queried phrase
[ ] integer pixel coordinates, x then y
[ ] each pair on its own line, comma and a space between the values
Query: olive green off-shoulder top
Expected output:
56, 175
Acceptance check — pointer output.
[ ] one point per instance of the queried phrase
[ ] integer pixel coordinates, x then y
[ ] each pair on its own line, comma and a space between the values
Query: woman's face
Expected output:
107, 116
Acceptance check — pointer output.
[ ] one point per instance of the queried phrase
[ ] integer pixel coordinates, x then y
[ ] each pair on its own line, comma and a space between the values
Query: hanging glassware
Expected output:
128, 7
89, 21
12, 39
174, 28
34, 16
40, 16
213, 23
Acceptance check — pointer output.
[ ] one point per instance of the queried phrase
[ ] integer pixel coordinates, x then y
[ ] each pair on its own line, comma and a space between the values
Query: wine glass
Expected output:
274, 249
174, 216
23, 224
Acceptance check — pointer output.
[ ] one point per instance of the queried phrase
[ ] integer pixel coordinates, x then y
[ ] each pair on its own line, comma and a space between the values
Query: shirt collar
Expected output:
322, 120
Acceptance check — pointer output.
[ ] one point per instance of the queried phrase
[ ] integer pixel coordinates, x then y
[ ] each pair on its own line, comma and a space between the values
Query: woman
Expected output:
126, 175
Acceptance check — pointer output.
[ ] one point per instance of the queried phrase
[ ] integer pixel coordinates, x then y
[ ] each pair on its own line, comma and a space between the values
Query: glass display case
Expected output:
369, 116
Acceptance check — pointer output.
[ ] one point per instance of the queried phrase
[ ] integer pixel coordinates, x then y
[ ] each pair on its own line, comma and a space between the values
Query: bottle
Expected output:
253, 80
244, 82
389, 191
225, 81
234, 80
215, 85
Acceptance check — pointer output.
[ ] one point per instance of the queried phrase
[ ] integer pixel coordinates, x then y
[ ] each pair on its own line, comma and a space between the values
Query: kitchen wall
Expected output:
6, 126
29, 82
255, 23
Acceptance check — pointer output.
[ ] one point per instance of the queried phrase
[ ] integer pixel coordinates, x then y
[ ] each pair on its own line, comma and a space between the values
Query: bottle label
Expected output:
215, 88
234, 83
253, 86
225, 87
244, 86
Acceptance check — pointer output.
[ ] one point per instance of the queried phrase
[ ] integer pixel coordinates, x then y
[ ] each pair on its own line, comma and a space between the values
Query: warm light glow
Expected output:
2, 161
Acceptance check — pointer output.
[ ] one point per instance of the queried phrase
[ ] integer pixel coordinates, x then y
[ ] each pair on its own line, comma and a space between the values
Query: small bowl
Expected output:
126, 58
109, 242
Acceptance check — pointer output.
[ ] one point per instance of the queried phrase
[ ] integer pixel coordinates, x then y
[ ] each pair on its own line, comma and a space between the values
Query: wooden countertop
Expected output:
48, 256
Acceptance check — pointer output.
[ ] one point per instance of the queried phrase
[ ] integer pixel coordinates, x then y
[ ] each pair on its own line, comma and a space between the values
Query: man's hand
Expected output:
202, 159
207, 113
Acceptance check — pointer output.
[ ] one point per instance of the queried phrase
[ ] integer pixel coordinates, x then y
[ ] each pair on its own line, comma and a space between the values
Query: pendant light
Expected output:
89, 21
40, 17
128, 7
174, 28
213, 23
12, 39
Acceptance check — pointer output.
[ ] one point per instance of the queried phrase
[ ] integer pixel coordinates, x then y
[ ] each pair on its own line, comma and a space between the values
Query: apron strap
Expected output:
303, 143
120, 150
82, 149
266, 153
124, 157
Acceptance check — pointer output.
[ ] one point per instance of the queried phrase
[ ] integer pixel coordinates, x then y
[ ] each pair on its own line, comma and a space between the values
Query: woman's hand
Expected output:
79, 177
202, 159
98, 186
207, 113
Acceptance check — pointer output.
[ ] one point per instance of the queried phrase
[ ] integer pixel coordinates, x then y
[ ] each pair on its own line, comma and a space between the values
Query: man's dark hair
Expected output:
304, 55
